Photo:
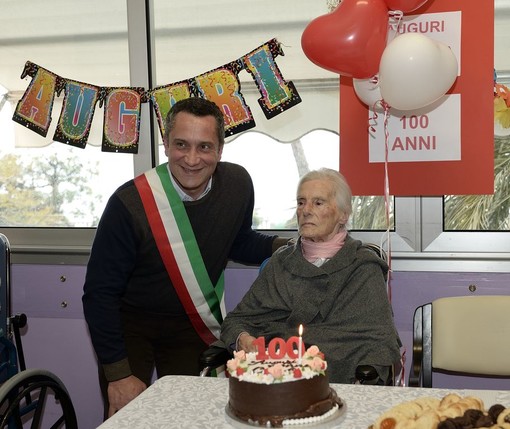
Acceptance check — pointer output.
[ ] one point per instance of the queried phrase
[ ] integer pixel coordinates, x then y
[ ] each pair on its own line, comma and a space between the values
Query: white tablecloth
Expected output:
195, 402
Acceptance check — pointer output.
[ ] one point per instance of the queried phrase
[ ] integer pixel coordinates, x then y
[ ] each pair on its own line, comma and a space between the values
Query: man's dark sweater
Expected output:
125, 272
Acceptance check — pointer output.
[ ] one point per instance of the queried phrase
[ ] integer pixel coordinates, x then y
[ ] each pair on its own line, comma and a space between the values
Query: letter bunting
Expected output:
122, 105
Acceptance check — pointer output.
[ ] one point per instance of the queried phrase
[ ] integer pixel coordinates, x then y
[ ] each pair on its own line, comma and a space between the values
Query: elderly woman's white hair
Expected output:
343, 194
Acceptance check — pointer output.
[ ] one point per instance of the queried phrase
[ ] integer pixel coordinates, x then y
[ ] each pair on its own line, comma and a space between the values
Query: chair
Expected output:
217, 354
465, 335
24, 397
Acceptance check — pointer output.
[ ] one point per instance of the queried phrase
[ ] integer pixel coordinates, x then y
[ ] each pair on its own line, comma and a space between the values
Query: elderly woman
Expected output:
327, 281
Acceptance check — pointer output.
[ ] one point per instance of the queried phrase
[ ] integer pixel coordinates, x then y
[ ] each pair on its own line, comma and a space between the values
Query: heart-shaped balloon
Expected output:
405, 6
350, 40
415, 71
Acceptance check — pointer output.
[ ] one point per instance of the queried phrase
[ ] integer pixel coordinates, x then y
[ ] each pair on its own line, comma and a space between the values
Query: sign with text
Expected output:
440, 149
428, 134
444, 27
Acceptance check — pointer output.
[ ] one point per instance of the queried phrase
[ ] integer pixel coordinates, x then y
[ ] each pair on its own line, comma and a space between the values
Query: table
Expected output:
199, 402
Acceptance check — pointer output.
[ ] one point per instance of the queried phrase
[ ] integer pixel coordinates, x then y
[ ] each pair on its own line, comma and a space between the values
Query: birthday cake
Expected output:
280, 392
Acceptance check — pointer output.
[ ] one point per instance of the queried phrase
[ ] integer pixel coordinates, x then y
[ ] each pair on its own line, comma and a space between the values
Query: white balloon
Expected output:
368, 92
415, 71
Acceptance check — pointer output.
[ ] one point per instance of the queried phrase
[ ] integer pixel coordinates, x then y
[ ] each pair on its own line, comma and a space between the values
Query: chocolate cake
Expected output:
271, 392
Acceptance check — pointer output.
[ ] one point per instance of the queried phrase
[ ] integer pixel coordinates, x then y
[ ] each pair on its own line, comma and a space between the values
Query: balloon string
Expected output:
395, 18
400, 379
372, 120
387, 200
396, 14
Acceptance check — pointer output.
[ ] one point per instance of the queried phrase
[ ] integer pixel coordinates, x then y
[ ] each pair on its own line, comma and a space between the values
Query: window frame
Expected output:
72, 245
418, 242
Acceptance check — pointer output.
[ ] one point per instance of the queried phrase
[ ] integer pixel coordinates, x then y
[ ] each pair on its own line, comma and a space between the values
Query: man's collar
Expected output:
183, 195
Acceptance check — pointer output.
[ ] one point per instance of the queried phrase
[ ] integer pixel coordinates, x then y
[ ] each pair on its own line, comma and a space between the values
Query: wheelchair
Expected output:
24, 396
25, 393
217, 354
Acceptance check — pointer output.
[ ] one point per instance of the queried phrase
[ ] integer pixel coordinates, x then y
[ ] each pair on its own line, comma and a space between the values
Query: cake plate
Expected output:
329, 422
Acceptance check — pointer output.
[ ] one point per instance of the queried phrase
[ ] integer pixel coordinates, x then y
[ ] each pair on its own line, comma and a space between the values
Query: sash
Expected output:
178, 247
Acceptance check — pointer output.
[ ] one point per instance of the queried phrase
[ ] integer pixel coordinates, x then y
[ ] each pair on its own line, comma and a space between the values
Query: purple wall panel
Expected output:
63, 347
48, 290
56, 336
237, 283
49, 294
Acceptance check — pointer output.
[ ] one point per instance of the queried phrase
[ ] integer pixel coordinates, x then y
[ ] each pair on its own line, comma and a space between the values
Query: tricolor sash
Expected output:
178, 247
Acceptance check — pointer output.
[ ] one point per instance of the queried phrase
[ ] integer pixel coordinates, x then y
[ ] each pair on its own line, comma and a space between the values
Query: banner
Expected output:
121, 123
34, 109
122, 105
445, 147
77, 112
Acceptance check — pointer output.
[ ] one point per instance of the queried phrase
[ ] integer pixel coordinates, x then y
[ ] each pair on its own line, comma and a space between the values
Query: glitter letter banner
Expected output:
34, 108
223, 87
121, 127
277, 95
164, 97
73, 126
122, 105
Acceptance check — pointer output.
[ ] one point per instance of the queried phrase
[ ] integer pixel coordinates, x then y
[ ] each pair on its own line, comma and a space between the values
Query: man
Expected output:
154, 283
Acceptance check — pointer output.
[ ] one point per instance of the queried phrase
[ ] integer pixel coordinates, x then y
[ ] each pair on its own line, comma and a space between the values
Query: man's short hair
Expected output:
199, 107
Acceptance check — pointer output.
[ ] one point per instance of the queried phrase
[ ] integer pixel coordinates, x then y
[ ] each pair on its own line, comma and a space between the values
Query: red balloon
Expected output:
405, 6
350, 40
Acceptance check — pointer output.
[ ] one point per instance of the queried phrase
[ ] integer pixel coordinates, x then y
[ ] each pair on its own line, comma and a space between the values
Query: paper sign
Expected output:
428, 134
446, 148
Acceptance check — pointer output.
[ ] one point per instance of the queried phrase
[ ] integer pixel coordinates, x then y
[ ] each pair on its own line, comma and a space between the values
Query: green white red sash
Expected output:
179, 249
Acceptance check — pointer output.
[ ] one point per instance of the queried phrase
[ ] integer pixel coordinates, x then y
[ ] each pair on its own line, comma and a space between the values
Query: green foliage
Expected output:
484, 212
43, 192
369, 213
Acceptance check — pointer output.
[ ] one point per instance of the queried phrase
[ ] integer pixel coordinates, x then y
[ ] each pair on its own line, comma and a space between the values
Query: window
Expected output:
489, 212
484, 212
276, 167
277, 151
104, 43
472, 230
45, 183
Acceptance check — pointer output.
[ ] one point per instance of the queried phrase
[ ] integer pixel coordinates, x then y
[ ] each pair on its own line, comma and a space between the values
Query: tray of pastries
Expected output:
450, 412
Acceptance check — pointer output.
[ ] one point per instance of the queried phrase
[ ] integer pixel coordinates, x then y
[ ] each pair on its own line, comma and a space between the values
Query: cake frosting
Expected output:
280, 392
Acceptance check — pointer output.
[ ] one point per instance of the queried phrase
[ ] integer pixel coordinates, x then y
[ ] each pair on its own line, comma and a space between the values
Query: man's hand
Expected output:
246, 343
122, 391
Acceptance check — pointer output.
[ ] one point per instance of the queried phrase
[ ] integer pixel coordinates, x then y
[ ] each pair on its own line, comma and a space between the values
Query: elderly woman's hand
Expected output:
245, 342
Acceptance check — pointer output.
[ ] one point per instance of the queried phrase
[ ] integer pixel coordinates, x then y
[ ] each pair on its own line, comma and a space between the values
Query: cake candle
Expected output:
300, 343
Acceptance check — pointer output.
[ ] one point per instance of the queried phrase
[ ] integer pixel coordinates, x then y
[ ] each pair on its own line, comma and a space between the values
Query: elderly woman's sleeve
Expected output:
262, 304
375, 315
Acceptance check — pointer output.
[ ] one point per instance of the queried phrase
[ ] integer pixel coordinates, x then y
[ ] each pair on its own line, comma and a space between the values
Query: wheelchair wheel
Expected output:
25, 396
